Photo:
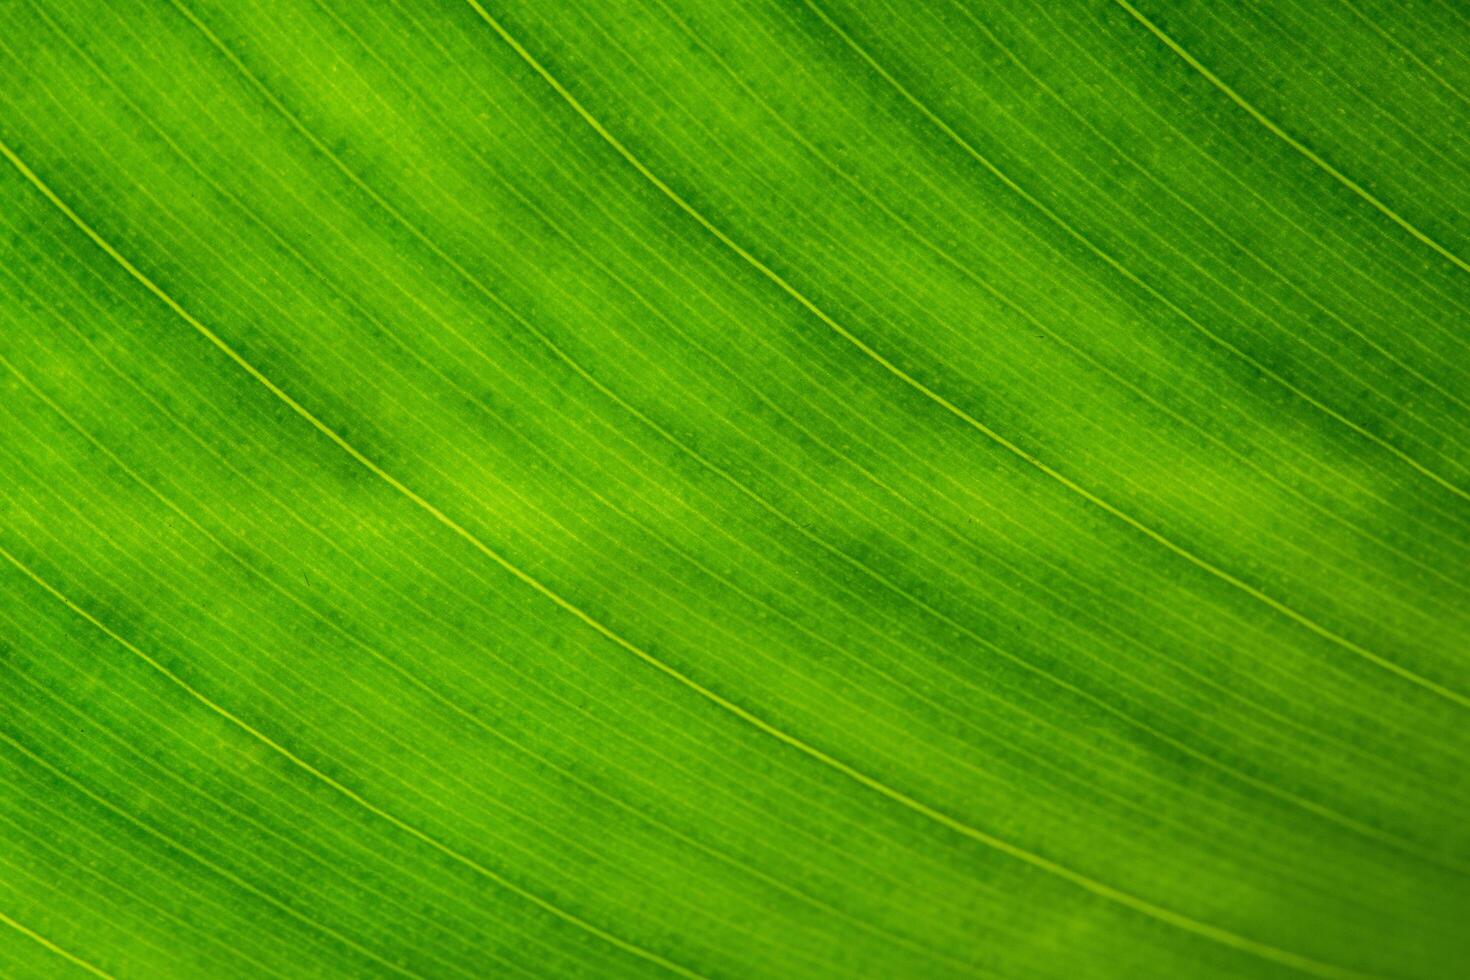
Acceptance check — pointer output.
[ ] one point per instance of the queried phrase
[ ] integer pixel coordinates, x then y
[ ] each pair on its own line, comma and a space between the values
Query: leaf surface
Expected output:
815, 488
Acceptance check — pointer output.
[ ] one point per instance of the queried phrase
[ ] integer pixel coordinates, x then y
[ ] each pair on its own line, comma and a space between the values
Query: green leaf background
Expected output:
771, 488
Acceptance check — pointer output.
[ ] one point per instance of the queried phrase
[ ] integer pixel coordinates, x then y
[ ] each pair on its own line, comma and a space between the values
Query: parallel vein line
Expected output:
1126, 899
654, 310
1290, 140
1395, 42
154, 832
351, 794
58, 950
955, 410
1123, 270
745, 490
945, 256
392, 211
433, 692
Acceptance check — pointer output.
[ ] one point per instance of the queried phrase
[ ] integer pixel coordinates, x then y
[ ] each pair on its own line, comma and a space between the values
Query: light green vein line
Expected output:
449, 586
616, 398
358, 182
955, 410
431, 691
1362, 262
295, 406
1290, 140
1404, 48
1141, 905
65, 954
1395, 135
944, 255
158, 835
1123, 270
887, 583
307, 767
86, 862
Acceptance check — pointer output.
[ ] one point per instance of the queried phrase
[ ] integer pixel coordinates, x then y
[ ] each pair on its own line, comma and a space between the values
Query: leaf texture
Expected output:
814, 488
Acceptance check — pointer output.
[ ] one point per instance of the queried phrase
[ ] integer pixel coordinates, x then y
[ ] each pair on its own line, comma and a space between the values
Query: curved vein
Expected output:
1129, 274
948, 258
454, 706
1419, 63
359, 183
1100, 889
1290, 140
154, 832
346, 791
805, 532
949, 406
64, 953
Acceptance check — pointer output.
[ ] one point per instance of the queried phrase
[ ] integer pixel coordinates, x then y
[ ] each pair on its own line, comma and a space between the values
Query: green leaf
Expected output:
813, 488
